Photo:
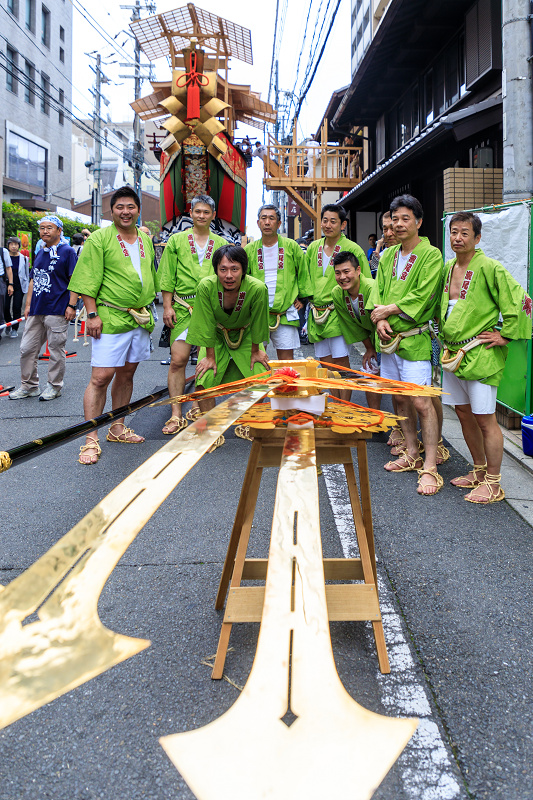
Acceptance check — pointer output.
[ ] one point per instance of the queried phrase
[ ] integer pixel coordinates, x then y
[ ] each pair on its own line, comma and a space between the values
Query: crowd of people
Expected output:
230, 301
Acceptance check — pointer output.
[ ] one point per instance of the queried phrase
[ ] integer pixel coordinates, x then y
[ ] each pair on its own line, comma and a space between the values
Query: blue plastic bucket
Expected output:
527, 435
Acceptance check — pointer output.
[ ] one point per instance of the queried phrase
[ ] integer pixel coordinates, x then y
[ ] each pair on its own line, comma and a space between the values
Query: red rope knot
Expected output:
193, 80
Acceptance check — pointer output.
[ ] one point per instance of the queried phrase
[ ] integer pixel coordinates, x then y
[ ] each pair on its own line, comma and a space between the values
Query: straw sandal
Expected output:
176, 423
490, 481
443, 453
93, 444
401, 448
126, 436
410, 464
218, 443
396, 437
470, 483
193, 413
439, 483
243, 432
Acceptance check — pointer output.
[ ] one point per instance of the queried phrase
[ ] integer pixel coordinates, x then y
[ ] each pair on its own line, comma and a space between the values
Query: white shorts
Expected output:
114, 349
335, 347
395, 368
285, 337
182, 337
479, 396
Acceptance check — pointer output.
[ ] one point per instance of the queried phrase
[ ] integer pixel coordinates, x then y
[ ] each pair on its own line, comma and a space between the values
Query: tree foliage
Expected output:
17, 218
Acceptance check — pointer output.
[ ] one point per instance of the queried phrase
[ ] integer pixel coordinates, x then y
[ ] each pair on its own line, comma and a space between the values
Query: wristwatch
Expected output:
69, 305
92, 314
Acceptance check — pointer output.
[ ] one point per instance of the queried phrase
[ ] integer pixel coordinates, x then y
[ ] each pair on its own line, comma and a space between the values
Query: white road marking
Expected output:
427, 771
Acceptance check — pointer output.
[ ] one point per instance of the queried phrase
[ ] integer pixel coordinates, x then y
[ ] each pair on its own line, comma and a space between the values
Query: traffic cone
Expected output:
46, 355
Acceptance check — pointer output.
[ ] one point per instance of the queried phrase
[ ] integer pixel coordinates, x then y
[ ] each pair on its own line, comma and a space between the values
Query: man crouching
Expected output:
229, 323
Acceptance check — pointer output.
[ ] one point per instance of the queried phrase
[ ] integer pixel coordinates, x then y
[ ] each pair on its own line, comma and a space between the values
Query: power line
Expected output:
302, 96
101, 31
56, 105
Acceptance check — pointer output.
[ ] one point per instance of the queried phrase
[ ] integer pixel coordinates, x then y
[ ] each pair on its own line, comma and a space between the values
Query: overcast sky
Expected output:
333, 71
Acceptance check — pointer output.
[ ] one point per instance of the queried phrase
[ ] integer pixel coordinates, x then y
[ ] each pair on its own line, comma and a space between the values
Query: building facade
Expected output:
428, 92
366, 16
117, 158
35, 100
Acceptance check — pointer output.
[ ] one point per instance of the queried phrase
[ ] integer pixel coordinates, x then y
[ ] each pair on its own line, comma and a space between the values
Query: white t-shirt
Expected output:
270, 263
355, 306
201, 251
451, 304
134, 254
402, 261
325, 261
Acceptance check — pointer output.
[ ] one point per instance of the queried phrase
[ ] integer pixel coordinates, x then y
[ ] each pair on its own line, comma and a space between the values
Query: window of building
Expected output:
29, 92
30, 15
60, 163
61, 103
61, 55
45, 26
26, 161
45, 93
62, 33
11, 72
13, 7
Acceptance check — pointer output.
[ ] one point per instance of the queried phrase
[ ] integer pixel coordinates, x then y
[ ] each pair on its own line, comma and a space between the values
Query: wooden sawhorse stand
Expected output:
346, 601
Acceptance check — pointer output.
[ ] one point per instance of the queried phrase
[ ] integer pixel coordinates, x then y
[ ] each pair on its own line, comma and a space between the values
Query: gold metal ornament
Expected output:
68, 645
296, 730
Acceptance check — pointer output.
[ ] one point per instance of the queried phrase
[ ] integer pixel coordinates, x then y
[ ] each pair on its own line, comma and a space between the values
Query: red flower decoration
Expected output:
287, 371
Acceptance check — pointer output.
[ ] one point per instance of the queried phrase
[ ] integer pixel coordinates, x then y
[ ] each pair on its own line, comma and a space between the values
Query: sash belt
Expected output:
225, 333
181, 300
140, 315
278, 319
390, 347
452, 363
321, 313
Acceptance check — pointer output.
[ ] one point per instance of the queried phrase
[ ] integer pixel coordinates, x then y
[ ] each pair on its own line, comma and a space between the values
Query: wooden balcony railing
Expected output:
323, 166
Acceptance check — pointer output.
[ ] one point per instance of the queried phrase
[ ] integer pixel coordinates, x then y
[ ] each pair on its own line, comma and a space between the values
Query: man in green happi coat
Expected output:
350, 297
229, 323
477, 291
322, 325
404, 301
188, 257
115, 276
279, 263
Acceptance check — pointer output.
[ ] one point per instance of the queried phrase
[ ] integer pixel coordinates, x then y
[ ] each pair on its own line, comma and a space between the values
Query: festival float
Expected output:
199, 110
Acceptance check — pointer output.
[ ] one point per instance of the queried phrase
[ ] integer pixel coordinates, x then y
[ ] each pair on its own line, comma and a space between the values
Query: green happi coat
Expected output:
354, 328
180, 271
416, 293
250, 313
488, 291
104, 271
291, 280
321, 284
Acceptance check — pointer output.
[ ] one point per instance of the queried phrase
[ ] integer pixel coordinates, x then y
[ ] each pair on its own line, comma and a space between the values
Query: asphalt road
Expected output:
455, 593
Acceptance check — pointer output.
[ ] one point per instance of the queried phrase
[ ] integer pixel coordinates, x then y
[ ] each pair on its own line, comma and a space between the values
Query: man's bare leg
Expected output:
285, 355
493, 446
93, 405
121, 392
474, 441
405, 408
373, 400
430, 436
343, 363
179, 358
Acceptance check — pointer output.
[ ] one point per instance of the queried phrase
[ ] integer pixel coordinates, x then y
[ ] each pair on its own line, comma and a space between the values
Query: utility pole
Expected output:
517, 100
96, 166
138, 147
276, 194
